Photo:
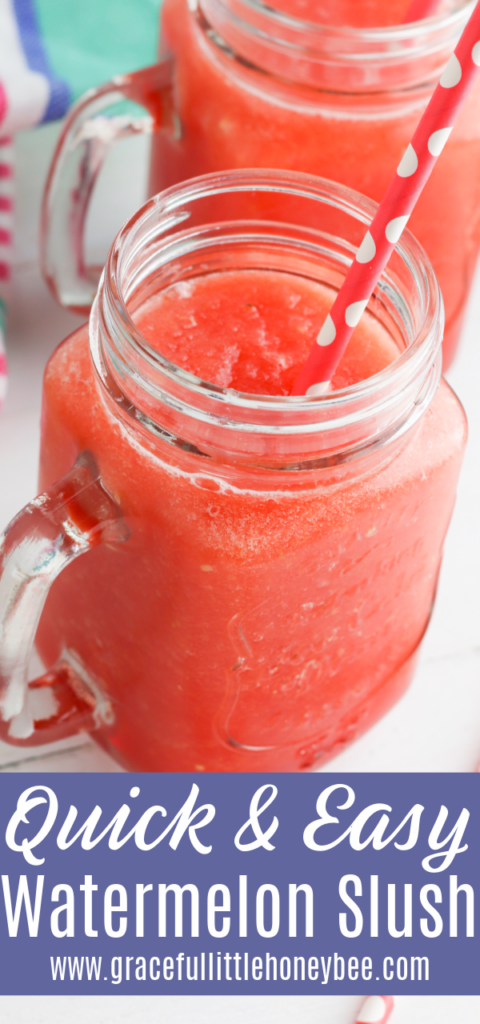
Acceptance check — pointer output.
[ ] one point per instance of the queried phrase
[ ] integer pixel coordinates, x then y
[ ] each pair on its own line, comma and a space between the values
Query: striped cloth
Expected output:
6, 226
50, 52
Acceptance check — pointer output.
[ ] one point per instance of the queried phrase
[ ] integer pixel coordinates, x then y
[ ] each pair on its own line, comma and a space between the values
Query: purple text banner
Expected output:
240, 884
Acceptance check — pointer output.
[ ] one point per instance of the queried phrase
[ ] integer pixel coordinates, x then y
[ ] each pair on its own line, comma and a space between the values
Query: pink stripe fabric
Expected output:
6, 238
3, 103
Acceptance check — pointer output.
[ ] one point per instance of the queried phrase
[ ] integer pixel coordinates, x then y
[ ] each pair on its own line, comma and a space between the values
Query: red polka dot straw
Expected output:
375, 1010
392, 215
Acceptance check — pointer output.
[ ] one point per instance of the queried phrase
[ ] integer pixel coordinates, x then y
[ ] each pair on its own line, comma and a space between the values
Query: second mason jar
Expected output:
241, 84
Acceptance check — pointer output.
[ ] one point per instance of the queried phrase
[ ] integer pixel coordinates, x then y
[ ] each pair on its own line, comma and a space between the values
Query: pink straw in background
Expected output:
392, 215
419, 10
375, 1010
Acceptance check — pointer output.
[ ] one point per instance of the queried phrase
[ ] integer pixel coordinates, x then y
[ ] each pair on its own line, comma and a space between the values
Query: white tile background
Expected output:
436, 727
234, 1009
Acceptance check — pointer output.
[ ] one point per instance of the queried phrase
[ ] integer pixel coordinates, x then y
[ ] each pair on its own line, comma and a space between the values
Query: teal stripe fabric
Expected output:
88, 41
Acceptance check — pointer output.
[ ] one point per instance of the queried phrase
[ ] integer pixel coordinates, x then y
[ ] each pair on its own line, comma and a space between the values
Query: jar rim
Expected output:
293, 182
117, 342
331, 58
416, 30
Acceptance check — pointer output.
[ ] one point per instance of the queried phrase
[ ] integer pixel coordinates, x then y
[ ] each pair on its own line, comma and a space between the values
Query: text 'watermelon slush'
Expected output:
277, 568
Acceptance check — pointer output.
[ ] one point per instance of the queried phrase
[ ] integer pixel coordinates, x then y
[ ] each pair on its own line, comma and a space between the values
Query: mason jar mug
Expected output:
218, 579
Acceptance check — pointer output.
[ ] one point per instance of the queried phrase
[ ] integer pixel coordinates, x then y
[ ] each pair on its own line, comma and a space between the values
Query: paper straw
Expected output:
419, 10
375, 1010
392, 215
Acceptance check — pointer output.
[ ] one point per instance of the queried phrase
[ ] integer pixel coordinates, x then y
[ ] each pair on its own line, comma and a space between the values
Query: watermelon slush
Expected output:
256, 619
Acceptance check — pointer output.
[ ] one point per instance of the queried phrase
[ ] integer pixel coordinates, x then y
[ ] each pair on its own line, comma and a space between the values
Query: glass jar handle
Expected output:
73, 516
82, 147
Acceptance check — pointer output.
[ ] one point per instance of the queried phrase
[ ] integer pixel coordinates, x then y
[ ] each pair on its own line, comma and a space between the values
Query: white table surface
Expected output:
436, 726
